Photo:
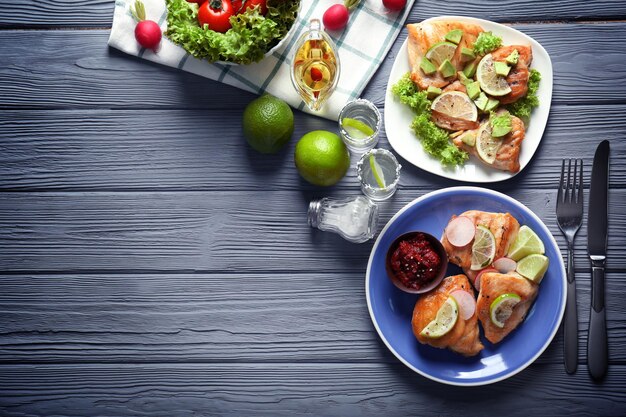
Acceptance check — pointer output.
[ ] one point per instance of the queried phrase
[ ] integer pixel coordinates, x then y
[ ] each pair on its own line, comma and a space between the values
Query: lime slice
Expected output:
483, 249
377, 172
444, 322
490, 82
502, 307
533, 267
456, 104
526, 243
486, 145
356, 128
441, 51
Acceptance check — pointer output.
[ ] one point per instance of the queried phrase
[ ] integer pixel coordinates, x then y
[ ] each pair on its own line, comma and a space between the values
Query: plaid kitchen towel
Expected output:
362, 47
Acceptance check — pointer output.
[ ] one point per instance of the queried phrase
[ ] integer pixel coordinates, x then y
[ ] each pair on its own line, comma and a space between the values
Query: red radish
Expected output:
477, 279
394, 5
505, 265
147, 32
466, 302
460, 231
336, 17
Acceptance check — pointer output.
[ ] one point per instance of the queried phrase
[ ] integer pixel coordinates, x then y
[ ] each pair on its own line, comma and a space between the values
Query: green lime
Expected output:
526, 243
267, 124
483, 249
441, 51
356, 128
445, 320
377, 172
533, 267
322, 158
490, 82
502, 307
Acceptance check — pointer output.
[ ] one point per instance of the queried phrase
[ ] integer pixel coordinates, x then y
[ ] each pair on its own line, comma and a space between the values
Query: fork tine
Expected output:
568, 192
574, 181
559, 195
580, 184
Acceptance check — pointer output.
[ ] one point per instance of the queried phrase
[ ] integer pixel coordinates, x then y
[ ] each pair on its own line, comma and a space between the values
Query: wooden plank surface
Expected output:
179, 150
212, 231
87, 74
220, 318
99, 13
303, 389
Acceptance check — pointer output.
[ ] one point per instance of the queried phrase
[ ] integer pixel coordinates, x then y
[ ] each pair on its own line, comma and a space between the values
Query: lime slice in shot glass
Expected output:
356, 128
377, 172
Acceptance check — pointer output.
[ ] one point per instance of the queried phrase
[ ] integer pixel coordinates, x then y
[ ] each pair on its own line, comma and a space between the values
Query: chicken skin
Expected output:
492, 285
519, 74
507, 155
463, 337
504, 228
426, 34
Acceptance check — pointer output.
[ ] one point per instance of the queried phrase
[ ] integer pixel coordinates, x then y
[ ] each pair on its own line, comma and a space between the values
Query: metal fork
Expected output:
569, 215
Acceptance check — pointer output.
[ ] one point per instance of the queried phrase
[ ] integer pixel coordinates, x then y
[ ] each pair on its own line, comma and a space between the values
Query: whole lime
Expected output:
267, 124
322, 158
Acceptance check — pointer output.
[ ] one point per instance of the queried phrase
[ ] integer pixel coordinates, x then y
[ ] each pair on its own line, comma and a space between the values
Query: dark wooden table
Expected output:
152, 264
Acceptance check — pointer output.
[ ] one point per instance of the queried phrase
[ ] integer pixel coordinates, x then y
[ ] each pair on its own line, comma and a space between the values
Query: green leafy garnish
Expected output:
434, 139
409, 94
486, 42
525, 105
249, 38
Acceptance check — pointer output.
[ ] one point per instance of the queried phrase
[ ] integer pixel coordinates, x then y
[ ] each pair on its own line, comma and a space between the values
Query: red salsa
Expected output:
415, 262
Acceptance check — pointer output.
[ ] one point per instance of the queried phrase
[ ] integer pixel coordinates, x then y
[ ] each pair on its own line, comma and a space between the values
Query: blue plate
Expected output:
391, 309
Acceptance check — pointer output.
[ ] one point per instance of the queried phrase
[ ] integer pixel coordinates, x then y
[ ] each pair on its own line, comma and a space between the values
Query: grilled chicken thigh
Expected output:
492, 285
426, 34
463, 337
504, 228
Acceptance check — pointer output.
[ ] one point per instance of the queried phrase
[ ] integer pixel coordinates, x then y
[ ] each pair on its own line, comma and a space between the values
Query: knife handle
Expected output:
570, 329
597, 350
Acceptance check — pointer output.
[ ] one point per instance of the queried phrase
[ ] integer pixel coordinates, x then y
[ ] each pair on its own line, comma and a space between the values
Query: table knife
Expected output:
597, 230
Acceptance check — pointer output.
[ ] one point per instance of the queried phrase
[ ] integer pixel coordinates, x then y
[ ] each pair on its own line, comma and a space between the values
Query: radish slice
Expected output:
505, 265
467, 304
460, 231
477, 279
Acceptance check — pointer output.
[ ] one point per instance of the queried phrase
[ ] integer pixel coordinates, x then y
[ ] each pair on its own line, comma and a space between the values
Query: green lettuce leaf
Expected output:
250, 37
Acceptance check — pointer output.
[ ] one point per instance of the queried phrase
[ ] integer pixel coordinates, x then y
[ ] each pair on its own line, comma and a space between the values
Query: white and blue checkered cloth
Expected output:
362, 47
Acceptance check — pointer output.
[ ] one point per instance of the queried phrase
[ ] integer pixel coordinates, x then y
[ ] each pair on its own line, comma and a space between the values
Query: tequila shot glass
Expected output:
359, 125
378, 172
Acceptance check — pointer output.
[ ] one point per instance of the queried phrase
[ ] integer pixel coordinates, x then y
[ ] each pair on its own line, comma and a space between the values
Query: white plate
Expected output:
398, 116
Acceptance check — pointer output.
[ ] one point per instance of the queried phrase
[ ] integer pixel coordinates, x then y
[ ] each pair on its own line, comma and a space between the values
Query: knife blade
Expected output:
597, 232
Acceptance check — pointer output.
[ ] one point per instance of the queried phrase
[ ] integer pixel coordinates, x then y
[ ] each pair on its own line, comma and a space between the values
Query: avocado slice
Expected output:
469, 138
473, 89
468, 54
491, 105
470, 70
513, 57
454, 36
499, 131
433, 92
427, 66
447, 69
502, 68
481, 101
463, 79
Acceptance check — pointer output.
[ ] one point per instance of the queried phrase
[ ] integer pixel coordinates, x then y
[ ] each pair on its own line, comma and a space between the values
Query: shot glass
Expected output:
387, 175
364, 112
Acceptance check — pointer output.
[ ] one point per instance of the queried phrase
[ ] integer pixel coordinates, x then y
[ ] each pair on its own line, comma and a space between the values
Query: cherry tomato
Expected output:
251, 3
394, 5
216, 14
237, 5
